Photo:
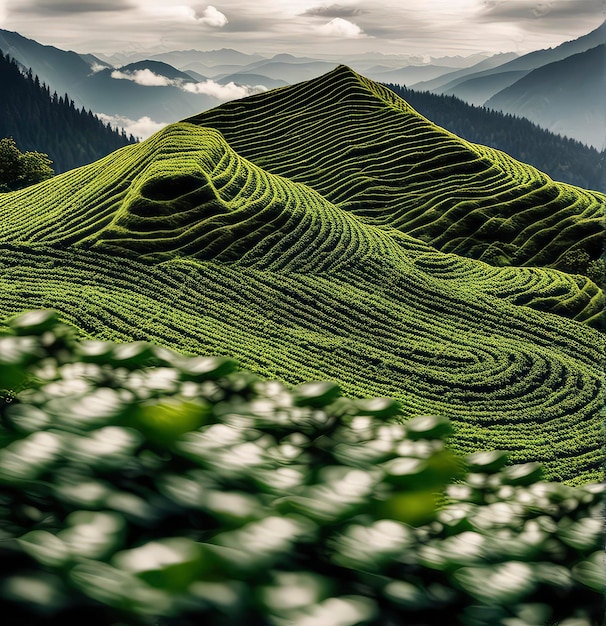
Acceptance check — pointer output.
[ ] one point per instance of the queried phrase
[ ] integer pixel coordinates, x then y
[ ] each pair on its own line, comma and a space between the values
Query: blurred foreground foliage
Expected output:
139, 486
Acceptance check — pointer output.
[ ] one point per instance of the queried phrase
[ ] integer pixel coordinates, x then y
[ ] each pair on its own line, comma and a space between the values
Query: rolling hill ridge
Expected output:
369, 152
328, 231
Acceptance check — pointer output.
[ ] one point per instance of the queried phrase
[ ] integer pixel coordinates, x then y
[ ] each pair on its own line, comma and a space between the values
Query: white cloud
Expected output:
97, 67
212, 17
230, 91
142, 128
179, 12
304, 27
338, 27
144, 77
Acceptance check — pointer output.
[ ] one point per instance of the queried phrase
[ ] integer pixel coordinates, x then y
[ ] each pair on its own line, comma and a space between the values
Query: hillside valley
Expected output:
326, 230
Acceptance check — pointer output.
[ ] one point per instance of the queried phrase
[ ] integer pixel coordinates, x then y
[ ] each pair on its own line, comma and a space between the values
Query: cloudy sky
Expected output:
410, 27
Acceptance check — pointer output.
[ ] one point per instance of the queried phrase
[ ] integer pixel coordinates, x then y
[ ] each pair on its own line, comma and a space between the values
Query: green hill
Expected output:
368, 151
326, 231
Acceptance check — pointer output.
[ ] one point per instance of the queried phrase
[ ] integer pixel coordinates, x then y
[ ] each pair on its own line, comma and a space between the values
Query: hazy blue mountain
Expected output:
564, 159
567, 97
288, 68
159, 68
165, 103
458, 74
479, 89
209, 58
407, 75
523, 64
42, 122
370, 60
93, 83
89, 82
57, 68
95, 62
196, 75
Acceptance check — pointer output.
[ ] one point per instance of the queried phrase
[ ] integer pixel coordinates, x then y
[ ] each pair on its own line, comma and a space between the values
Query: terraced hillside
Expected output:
300, 275
366, 150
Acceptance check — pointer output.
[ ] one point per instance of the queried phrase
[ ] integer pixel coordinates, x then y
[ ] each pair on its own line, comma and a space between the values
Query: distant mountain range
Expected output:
51, 124
168, 86
566, 160
567, 96
561, 88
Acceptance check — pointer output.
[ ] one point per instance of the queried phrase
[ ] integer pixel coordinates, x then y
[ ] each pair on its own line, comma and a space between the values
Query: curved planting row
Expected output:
508, 376
196, 197
183, 241
574, 296
365, 149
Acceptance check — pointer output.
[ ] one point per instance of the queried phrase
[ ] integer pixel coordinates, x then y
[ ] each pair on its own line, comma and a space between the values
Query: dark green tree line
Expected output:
18, 169
39, 120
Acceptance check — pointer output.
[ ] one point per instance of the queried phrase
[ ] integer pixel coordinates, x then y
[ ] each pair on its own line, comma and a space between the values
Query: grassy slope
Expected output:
369, 152
182, 241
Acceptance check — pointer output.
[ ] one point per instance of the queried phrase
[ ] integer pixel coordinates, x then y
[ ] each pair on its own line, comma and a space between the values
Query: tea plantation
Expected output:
326, 231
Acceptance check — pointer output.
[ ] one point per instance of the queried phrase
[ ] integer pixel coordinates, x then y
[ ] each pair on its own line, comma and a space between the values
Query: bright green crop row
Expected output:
191, 195
271, 230
508, 376
366, 150
141, 487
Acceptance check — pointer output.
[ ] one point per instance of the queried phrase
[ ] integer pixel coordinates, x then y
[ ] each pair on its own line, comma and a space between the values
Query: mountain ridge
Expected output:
49, 124
565, 96
535, 59
409, 194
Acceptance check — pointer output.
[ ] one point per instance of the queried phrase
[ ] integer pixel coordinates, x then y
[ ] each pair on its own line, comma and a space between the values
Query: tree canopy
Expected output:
21, 169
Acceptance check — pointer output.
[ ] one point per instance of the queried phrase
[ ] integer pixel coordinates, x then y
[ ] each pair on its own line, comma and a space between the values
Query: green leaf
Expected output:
499, 584
164, 421
378, 407
34, 322
100, 407
170, 564
30, 457
316, 394
428, 427
27, 419
591, 572
487, 462
202, 368
524, 474
340, 611
16, 353
45, 547
132, 355
584, 535
92, 534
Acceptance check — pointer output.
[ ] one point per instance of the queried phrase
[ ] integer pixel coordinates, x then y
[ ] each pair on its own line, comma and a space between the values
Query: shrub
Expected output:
140, 486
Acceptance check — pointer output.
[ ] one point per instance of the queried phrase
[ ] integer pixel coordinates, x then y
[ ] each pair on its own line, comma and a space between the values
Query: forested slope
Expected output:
563, 159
